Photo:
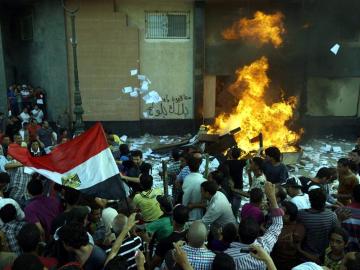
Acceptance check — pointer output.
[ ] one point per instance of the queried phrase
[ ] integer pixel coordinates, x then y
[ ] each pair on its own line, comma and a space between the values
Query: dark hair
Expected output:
218, 177
223, 261
35, 187
229, 233
356, 193
290, 209
71, 195
4, 178
357, 151
342, 232
256, 195
28, 237
353, 264
317, 199
8, 213
235, 152
344, 162
181, 214
210, 186
73, 235
27, 261
146, 181
248, 230
136, 153
274, 153
124, 149
118, 263
258, 162
194, 163
353, 167
224, 168
324, 172
281, 193
176, 154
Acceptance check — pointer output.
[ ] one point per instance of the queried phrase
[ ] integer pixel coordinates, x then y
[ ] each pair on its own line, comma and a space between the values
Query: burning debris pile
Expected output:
252, 113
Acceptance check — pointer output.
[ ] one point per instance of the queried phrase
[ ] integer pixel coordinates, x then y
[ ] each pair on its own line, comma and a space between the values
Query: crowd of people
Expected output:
211, 221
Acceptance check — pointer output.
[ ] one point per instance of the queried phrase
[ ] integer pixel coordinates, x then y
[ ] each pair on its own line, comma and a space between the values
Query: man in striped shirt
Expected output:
248, 234
130, 244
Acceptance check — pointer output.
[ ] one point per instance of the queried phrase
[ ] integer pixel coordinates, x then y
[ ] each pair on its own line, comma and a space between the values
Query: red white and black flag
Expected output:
84, 163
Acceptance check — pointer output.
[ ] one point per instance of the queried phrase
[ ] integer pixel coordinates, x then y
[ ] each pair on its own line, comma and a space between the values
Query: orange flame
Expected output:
253, 115
263, 28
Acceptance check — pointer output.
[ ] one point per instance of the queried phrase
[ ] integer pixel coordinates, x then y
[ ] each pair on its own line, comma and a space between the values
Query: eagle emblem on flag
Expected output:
71, 180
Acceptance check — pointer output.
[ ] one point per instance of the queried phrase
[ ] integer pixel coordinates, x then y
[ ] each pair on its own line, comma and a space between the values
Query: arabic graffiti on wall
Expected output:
170, 106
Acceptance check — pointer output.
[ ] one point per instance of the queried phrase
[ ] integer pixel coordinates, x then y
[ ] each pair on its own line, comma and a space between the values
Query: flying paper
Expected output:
127, 90
152, 97
133, 72
134, 93
335, 49
123, 138
141, 77
146, 114
145, 86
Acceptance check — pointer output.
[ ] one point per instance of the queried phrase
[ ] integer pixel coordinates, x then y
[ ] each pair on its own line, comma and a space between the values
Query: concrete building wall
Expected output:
3, 99
167, 63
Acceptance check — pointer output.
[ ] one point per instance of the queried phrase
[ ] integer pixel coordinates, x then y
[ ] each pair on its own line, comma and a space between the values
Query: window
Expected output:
167, 25
26, 27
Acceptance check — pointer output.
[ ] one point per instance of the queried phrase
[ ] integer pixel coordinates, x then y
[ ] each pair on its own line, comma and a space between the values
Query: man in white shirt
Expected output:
25, 116
191, 188
219, 211
4, 181
293, 187
38, 114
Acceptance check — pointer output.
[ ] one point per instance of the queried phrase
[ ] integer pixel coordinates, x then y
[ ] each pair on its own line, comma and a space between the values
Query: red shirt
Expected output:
33, 132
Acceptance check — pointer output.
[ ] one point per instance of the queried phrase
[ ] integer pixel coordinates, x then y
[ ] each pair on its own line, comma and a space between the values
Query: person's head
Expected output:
73, 236
223, 261
229, 233
165, 203
248, 230
184, 159
293, 186
35, 187
273, 154
119, 223
354, 155
34, 146
8, 213
17, 139
208, 189
338, 240
33, 122
256, 164
136, 157
124, 149
234, 153
29, 262
146, 181
197, 234
256, 196
317, 199
71, 196
36, 107
29, 238
95, 214
25, 110
324, 175
6, 140
78, 214
351, 261
25, 125
180, 215
290, 210
224, 168
45, 124
194, 163
118, 263
343, 166
216, 176
4, 180
176, 154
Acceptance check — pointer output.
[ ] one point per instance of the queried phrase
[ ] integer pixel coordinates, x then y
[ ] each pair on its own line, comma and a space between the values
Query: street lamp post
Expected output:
78, 109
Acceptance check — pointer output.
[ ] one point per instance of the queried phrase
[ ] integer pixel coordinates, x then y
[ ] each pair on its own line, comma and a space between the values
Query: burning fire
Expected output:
263, 28
253, 115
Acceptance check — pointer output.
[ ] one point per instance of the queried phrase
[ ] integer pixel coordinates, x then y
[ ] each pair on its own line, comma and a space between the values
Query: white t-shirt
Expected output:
19, 213
25, 117
301, 201
39, 115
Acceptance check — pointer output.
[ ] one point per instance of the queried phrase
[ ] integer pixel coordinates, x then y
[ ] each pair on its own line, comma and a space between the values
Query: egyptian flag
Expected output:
84, 163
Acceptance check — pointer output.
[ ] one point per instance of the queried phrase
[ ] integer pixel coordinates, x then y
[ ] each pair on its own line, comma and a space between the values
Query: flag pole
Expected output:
165, 177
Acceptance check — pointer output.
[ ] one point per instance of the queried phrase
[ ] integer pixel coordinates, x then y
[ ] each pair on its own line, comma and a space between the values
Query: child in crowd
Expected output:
335, 253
